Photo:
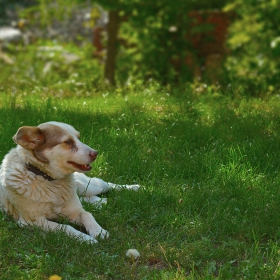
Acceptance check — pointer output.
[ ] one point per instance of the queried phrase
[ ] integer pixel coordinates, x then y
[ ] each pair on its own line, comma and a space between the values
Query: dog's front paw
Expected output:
95, 200
88, 238
133, 187
120, 187
104, 234
101, 233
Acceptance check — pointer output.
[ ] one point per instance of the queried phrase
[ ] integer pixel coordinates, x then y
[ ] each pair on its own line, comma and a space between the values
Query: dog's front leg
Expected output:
89, 187
87, 220
51, 226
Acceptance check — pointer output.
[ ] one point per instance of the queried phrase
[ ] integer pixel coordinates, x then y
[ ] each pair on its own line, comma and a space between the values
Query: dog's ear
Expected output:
29, 137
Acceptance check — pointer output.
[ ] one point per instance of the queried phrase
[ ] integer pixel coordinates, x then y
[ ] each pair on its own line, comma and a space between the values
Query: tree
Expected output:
148, 28
112, 30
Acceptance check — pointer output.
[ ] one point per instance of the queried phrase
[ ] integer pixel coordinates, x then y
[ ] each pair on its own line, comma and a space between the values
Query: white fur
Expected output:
31, 199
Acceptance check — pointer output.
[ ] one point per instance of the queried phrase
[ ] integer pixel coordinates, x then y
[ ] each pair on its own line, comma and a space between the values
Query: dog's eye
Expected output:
69, 142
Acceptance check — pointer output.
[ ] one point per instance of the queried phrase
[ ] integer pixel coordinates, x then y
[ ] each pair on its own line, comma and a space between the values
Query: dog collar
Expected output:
39, 172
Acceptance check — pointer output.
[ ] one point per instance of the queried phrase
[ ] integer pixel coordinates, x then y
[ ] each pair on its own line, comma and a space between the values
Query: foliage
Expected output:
254, 42
154, 48
63, 66
48, 11
154, 39
11, 5
64, 21
150, 47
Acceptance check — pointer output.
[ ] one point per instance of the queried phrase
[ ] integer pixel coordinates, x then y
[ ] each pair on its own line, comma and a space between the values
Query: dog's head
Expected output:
57, 145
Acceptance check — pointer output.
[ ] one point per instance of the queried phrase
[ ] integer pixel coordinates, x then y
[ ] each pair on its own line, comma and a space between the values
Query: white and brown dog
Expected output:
40, 178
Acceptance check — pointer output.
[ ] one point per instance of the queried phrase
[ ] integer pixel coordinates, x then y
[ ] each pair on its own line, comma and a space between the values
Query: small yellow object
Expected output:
55, 277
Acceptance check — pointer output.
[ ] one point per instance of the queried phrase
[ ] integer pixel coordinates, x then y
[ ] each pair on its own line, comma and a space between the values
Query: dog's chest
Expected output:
41, 190
58, 192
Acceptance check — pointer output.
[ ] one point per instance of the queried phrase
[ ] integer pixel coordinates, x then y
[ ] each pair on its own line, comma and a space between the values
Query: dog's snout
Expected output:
93, 154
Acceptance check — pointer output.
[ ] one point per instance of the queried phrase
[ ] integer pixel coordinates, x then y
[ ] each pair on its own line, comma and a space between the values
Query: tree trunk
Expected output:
112, 31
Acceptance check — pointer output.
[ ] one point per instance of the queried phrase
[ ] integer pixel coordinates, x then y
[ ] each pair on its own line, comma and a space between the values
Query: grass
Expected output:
209, 166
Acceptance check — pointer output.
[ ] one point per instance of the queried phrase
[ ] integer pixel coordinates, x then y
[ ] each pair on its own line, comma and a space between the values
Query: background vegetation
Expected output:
254, 42
156, 40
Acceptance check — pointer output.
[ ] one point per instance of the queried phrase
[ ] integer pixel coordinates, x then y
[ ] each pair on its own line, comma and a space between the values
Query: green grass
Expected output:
209, 166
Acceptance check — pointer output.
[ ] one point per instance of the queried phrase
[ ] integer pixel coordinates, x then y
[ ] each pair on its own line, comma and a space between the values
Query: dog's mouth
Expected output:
82, 167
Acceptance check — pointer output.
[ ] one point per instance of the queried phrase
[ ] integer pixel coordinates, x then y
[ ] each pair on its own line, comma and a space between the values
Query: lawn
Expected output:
207, 161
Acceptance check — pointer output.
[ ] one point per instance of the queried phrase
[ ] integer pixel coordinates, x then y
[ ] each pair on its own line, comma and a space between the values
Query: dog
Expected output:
40, 179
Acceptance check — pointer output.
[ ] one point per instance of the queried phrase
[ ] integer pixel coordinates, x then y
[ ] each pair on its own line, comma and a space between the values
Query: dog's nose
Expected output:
93, 154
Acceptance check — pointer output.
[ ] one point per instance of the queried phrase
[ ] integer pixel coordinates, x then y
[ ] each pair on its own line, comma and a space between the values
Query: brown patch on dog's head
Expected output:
53, 135
38, 139
29, 137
